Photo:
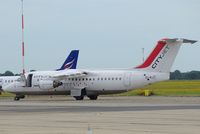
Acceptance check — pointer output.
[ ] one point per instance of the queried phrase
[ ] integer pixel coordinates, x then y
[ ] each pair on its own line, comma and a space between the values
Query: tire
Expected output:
22, 96
16, 99
79, 97
93, 97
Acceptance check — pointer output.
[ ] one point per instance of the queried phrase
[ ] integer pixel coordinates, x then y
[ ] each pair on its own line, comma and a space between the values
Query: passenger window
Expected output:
108, 78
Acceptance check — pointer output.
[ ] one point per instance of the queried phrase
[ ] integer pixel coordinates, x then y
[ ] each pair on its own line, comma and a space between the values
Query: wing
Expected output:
61, 75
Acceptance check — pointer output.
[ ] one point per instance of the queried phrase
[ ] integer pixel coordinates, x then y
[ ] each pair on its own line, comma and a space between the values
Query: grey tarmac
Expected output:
108, 115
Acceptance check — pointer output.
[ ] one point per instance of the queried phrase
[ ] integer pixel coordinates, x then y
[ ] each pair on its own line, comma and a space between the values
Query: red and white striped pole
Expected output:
23, 65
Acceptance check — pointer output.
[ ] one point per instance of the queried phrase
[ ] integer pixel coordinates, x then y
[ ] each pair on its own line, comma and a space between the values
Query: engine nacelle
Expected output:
46, 84
49, 84
57, 84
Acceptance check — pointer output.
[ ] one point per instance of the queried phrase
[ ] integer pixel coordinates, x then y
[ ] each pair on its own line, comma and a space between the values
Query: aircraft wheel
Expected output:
22, 96
93, 97
79, 97
16, 99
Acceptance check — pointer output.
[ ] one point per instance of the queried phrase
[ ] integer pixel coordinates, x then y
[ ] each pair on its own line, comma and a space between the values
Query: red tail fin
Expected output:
160, 45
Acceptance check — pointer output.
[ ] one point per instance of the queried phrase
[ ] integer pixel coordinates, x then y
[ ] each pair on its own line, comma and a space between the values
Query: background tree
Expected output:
176, 75
8, 73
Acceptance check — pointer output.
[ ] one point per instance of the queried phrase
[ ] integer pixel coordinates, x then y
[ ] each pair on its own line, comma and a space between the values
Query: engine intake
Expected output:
57, 84
49, 84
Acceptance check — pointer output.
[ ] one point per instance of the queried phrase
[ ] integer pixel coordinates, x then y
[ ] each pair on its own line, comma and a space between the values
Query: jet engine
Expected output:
46, 84
49, 84
57, 84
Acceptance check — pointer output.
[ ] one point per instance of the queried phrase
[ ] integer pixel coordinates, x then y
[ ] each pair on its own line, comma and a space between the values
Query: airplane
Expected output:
91, 83
69, 63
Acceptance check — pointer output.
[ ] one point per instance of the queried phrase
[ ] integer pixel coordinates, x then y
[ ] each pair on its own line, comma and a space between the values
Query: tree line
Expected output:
8, 73
192, 75
176, 75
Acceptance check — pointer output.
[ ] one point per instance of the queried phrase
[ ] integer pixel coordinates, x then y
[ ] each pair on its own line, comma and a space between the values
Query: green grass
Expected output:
5, 94
170, 88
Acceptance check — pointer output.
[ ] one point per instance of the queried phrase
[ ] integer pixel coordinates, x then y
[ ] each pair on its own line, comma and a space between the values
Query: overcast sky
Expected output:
108, 33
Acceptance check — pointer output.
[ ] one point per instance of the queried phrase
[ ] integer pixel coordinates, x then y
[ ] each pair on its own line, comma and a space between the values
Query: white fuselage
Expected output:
97, 82
7, 80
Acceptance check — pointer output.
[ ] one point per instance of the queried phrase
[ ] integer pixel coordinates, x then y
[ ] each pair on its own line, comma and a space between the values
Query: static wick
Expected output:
143, 54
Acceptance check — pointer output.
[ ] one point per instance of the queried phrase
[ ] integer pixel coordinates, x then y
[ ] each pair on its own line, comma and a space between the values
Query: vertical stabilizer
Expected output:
162, 57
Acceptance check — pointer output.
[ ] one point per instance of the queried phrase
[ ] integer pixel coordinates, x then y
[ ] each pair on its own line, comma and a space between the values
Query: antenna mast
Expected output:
142, 54
23, 65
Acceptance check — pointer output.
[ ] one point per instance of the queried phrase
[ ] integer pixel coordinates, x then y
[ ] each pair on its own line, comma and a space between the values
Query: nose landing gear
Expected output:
0, 89
18, 97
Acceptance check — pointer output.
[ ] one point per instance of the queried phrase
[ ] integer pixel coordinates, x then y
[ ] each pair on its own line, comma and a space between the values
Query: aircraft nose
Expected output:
7, 88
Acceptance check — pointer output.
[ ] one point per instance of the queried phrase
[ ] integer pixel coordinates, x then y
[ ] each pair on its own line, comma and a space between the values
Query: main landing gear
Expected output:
93, 97
79, 97
18, 97
84, 93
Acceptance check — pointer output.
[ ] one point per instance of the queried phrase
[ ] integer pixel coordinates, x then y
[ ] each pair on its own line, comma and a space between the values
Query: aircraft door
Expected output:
127, 79
29, 80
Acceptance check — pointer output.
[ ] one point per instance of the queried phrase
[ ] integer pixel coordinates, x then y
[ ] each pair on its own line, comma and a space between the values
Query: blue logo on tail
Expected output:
71, 61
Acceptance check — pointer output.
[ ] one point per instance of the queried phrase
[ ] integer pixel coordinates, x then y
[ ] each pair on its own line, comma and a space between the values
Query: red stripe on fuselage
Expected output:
160, 45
